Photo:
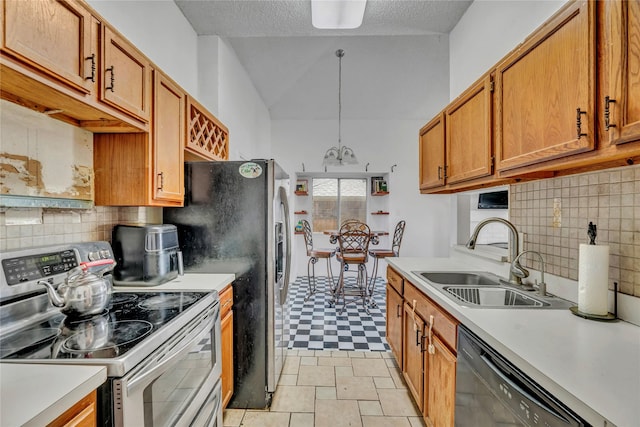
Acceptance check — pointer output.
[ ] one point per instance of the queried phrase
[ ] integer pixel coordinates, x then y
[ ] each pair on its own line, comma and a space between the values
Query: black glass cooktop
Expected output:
130, 318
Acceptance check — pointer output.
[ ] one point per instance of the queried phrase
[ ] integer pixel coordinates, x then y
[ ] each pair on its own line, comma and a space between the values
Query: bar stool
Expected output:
353, 239
384, 253
314, 255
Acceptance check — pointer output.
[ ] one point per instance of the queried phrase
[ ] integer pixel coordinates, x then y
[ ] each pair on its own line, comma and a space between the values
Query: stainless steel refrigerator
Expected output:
235, 219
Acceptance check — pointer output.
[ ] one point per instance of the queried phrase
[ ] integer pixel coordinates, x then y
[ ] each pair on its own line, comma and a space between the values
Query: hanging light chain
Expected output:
340, 54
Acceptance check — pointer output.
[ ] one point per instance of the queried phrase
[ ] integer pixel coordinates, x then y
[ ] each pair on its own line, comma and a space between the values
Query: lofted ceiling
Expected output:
392, 63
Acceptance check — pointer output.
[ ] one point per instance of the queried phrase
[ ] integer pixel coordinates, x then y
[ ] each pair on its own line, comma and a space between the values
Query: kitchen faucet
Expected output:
520, 271
514, 244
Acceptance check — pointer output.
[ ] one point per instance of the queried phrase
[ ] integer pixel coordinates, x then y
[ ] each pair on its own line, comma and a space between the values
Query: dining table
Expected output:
375, 234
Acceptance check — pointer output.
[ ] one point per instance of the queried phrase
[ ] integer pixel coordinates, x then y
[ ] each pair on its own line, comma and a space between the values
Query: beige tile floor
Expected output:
320, 388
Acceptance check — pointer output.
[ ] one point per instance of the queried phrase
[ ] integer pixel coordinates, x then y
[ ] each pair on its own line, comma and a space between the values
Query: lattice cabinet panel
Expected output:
207, 137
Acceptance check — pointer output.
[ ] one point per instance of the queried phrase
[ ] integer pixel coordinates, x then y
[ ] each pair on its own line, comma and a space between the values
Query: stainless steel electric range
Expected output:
161, 349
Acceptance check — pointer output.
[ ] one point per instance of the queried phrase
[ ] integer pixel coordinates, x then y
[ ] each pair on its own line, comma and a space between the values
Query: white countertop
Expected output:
592, 367
35, 395
188, 282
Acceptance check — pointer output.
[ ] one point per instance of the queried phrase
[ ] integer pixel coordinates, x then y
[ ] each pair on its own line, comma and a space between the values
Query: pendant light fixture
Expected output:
337, 156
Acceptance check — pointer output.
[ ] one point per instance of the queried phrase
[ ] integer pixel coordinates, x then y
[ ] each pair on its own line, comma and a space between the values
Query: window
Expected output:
338, 199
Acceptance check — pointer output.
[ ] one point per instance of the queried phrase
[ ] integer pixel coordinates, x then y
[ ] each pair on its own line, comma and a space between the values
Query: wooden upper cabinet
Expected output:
432, 154
546, 91
145, 169
468, 134
52, 36
125, 76
168, 139
207, 138
621, 99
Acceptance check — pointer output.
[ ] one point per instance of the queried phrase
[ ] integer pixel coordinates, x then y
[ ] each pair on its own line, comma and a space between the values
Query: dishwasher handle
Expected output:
515, 386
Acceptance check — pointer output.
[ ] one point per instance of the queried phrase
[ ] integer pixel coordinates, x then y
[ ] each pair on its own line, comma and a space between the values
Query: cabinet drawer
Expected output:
395, 280
226, 300
445, 326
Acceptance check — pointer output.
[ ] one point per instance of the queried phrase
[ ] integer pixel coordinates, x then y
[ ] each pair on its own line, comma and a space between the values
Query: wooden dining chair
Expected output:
314, 255
353, 244
385, 253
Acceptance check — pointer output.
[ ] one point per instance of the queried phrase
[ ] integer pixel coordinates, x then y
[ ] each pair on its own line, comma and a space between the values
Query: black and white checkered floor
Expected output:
315, 325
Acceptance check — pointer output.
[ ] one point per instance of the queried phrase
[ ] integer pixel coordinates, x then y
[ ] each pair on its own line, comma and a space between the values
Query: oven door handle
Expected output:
175, 350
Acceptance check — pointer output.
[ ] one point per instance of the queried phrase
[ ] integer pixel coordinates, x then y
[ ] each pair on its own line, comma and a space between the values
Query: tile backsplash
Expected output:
554, 215
40, 227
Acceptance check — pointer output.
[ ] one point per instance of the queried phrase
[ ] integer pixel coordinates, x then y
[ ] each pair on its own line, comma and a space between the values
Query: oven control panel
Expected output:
35, 267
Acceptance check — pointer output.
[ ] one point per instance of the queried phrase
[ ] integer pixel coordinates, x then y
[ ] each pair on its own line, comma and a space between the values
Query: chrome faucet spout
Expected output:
514, 243
516, 267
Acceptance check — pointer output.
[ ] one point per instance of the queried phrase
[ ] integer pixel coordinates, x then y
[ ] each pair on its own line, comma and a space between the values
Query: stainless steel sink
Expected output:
493, 296
486, 290
456, 278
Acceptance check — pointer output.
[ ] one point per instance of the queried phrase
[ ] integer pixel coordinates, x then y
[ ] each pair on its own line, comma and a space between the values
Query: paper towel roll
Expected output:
593, 279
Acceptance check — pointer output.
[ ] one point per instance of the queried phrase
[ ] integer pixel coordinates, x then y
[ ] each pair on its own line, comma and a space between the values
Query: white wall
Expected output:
160, 31
381, 144
241, 108
489, 30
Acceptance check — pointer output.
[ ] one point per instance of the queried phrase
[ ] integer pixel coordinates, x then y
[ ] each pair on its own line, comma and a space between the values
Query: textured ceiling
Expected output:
390, 62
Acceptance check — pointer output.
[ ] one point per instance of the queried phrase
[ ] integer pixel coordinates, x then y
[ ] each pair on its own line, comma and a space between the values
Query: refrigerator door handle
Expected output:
284, 291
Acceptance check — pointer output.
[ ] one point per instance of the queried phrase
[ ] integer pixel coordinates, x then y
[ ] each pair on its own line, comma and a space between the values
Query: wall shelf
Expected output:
380, 193
301, 193
380, 213
301, 212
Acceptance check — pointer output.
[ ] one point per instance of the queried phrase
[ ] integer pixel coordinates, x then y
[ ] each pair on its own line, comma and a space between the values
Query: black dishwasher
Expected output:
490, 391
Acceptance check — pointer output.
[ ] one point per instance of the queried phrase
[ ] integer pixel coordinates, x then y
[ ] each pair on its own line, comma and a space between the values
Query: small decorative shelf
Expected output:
302, 187
380, 193
298, 232
380, 213
301, 212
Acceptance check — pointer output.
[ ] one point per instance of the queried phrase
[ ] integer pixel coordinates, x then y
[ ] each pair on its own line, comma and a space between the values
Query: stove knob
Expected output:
93, 256
105, 254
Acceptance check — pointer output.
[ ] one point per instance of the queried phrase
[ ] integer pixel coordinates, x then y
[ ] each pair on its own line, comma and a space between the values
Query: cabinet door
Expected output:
394, 322
546, 92
126, 76
52, 36
168, 139
432, 160
622, 102
227, 358
468, 134
412, 364
440, 387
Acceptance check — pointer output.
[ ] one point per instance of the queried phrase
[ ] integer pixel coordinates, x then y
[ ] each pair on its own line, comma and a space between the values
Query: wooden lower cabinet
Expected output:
428, 345
440, 385
394, 323
413, 360
82, 414
226, 323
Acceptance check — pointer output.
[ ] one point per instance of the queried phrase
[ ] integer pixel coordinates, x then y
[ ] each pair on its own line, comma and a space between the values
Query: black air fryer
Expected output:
146, 255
